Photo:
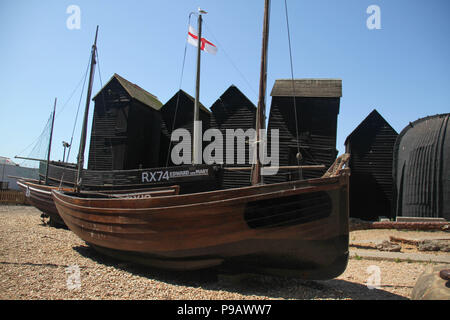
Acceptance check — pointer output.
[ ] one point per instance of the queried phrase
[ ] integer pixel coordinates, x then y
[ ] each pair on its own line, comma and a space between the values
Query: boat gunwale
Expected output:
63, 198
32, 187
47, 190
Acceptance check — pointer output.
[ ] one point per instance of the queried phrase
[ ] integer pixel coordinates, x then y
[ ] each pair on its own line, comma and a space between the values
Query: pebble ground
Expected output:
36, 263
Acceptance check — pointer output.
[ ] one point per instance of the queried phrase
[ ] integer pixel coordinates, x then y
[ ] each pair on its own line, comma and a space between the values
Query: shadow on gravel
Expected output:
248, 284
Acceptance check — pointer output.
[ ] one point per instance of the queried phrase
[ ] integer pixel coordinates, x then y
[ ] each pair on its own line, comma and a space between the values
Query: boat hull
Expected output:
298, 229
40, 196
299, 262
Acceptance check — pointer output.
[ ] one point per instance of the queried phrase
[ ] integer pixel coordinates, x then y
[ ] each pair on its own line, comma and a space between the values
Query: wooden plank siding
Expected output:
370, 146
178, 113
317, 103
125, 131
232, 111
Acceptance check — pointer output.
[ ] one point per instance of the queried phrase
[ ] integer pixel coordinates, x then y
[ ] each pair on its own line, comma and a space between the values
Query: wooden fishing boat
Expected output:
38, 192
40, 196
192, 179
296, 228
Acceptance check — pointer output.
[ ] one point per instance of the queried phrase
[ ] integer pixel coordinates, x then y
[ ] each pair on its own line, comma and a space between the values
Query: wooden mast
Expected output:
86, 114
50, 143
256, 177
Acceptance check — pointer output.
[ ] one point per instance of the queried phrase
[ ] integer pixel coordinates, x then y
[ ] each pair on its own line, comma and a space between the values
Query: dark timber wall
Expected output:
233, 110
422, 168
177, 113
126, 127
317, 102
370, 146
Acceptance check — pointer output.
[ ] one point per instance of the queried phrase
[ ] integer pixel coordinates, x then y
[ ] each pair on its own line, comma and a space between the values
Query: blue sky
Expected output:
402, 69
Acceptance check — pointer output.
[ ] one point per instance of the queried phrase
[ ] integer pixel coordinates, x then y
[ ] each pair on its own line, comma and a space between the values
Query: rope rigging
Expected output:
230, 60
40, 148
182, 73
78, 110
298, 156
178, 95
41, 142
75, 123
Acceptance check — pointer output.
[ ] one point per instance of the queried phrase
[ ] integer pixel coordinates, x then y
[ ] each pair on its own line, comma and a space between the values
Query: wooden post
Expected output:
256, 177
85, 120
50, 144
197, 146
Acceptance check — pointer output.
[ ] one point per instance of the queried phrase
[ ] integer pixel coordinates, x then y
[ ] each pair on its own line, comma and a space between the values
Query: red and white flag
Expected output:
205, 45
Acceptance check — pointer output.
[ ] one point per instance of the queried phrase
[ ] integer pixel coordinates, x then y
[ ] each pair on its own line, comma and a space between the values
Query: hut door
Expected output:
118, 150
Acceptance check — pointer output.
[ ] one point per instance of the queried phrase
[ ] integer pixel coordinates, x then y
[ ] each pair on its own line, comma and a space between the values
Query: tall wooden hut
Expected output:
234, 111
371, 147
422, 168
178, 112
317, 102
126, 127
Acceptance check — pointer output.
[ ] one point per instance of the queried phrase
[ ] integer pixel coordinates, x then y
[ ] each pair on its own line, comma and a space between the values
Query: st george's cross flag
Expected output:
205, 45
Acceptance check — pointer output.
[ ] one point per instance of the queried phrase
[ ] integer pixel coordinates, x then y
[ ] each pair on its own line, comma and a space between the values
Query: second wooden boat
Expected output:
40, 196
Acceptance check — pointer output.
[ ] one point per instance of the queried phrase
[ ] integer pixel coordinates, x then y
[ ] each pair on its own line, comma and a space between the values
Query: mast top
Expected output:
96, 34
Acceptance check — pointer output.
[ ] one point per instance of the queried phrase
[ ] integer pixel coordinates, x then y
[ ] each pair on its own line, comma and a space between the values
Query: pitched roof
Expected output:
174, 97
135, 92
374, 115
232, 92
317, 88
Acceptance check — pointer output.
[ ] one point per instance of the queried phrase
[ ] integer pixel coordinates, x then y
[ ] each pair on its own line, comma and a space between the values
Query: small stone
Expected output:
434, 245
389, 246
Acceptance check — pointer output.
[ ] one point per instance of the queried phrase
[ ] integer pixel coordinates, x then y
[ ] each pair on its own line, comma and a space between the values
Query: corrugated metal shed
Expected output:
421, 168
126, 127
370, 146
317, 102
9, 169
233, 110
